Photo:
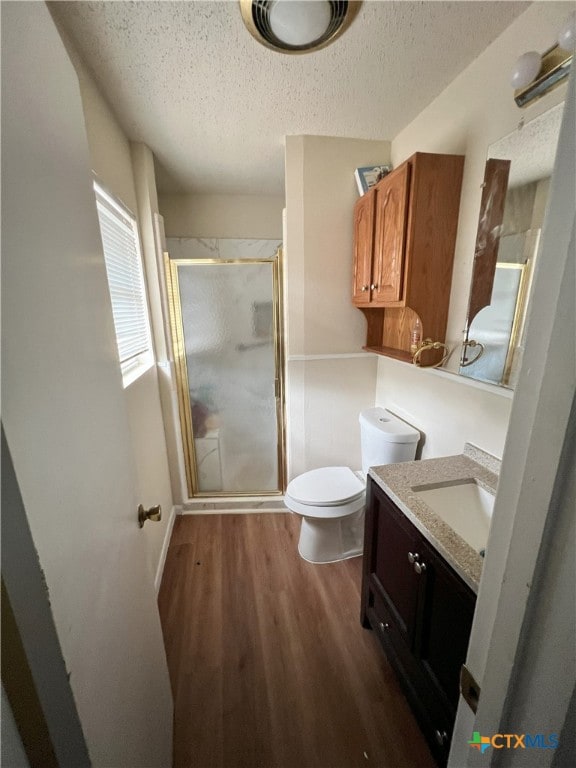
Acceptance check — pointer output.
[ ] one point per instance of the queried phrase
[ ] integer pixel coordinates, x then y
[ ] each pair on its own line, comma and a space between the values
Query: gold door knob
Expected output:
154, 513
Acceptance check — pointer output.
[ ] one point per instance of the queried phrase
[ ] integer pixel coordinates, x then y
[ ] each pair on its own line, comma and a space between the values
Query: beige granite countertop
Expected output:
398, 480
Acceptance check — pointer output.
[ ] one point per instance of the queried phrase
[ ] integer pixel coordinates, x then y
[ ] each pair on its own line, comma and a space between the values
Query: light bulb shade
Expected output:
299, 22
526, 69
297, 26
567, 33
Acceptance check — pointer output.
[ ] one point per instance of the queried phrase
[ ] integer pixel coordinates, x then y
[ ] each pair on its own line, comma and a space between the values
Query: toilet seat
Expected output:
329, 492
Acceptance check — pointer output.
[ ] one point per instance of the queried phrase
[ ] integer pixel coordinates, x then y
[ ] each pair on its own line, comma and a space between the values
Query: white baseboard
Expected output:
234, 505
232, 511
165, 544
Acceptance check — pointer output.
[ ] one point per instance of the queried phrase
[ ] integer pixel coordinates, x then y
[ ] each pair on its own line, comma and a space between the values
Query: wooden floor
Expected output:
269, 664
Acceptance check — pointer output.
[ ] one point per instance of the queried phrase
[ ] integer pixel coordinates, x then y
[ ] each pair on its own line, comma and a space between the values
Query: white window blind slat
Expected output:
123, 260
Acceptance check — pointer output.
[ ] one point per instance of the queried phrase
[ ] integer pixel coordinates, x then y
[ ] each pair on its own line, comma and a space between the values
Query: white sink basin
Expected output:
464, 506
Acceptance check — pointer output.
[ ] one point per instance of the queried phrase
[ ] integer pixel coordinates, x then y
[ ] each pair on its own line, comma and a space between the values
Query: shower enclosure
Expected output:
226, 333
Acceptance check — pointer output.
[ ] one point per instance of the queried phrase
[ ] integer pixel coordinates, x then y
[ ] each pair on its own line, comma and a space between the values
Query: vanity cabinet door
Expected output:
446, 624
363, 244
389, 574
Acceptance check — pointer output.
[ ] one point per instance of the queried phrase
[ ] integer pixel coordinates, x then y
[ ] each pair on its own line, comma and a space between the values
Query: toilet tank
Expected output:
385, 438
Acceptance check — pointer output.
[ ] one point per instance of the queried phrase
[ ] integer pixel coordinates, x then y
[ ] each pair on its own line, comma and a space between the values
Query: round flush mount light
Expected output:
297, 26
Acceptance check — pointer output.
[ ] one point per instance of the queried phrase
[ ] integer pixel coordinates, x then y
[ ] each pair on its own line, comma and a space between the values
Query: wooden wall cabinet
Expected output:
404, 237
421, 611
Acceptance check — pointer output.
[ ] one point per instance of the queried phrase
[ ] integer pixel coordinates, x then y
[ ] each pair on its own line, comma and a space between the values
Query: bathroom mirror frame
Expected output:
507, 167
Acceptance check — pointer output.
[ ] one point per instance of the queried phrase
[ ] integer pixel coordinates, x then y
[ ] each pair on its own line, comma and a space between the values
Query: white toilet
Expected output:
331, 500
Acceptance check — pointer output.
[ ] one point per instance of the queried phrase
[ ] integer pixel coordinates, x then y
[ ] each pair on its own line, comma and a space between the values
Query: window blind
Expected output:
123, 259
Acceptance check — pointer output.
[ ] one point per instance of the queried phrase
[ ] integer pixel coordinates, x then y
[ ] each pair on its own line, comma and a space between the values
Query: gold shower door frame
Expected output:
181, 369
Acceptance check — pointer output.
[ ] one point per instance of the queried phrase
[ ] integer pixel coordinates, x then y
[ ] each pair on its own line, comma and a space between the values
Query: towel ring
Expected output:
464, 361
429, 344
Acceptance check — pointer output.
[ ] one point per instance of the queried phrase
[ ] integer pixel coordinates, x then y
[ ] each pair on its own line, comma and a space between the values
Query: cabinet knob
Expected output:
441, 737
384, 626
413, 556
364, 288
373, 287
419, 567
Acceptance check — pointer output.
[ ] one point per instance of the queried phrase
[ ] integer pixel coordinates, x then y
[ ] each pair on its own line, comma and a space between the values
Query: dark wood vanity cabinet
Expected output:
422, 613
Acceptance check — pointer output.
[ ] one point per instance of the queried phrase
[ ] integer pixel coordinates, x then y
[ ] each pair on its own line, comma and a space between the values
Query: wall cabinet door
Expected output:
404, 239
363, 242
390, 236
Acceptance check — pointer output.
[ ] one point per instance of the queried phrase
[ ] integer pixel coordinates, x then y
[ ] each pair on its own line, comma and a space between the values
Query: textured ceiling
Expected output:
214, 106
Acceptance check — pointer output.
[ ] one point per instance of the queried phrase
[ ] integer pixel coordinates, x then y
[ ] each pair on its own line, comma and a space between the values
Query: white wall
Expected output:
472, 112
153, 248
111, 157
237, 216
329, 379
447, 413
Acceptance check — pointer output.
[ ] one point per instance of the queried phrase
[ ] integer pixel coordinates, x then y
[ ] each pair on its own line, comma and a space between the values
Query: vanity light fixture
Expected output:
534, 74
297, 26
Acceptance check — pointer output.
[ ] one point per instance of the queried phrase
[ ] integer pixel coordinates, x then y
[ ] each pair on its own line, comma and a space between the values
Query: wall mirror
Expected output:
513, 206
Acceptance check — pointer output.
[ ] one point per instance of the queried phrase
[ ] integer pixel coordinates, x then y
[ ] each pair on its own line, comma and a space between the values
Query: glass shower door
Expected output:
227, 350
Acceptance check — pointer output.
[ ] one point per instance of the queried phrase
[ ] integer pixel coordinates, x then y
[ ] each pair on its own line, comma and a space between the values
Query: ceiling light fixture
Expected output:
297, 26
534, 74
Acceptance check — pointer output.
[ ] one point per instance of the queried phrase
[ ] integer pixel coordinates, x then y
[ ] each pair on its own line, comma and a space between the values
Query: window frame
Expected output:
132, 367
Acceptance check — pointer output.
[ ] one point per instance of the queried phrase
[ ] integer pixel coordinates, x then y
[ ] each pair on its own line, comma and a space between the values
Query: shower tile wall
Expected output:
221, 248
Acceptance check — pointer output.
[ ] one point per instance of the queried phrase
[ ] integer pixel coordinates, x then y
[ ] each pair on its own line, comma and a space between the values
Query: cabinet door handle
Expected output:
373, 287
412, 557
364, 288
419, 567
441, 737
384, 626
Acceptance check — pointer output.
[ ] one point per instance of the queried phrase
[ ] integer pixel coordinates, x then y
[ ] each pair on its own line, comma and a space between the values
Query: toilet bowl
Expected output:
331, 503
331, 500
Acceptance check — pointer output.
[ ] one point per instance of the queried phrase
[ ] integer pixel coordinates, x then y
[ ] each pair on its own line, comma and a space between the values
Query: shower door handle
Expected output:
276, 387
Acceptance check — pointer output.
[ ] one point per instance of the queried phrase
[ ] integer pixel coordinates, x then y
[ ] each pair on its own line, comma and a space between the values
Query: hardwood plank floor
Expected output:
269, 665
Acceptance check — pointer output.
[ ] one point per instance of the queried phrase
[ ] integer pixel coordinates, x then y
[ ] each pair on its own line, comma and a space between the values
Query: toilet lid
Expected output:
325, 487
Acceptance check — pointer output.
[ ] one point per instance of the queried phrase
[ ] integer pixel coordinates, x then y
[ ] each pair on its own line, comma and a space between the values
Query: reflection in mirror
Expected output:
513, 206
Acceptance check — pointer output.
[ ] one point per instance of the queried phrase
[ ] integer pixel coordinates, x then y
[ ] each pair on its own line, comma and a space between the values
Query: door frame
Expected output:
181, 369
530, 496
33, 668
